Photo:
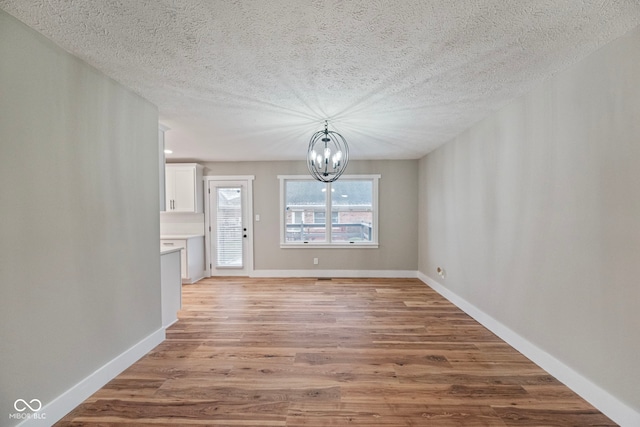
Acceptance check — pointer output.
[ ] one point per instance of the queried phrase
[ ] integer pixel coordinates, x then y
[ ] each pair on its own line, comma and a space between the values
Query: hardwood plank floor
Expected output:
306, 352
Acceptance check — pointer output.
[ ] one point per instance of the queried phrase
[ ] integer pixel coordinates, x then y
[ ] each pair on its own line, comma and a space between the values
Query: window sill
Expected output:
329, 245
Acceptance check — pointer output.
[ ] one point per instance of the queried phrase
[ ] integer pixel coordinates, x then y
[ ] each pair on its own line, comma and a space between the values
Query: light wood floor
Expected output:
306, 352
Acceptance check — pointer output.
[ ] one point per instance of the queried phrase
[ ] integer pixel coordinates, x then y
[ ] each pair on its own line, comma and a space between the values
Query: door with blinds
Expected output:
229, 238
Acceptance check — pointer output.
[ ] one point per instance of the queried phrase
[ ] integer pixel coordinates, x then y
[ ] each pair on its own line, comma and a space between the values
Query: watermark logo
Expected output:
34, 406
21, 405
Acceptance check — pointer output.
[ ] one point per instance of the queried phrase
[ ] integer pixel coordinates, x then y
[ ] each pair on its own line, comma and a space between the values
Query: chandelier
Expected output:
328, 155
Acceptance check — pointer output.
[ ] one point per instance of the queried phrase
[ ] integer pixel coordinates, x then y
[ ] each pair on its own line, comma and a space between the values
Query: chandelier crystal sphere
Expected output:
327, 155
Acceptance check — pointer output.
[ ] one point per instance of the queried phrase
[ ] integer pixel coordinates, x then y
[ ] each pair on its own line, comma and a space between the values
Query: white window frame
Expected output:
328, 244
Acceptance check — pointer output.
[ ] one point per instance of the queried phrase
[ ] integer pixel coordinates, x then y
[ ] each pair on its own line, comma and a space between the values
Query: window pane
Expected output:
351, 210
229, 227
305, 211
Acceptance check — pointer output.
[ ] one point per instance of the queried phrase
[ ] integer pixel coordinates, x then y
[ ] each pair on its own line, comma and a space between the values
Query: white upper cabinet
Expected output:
184, 187
161, 159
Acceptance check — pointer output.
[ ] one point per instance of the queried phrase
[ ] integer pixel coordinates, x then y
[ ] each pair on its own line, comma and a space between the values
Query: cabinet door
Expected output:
184, 196
169, 188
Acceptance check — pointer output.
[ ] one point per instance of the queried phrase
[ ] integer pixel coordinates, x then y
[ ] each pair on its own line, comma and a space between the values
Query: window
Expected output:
352, 203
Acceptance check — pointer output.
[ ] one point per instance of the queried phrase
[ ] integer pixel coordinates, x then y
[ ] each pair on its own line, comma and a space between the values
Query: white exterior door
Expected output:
230, 241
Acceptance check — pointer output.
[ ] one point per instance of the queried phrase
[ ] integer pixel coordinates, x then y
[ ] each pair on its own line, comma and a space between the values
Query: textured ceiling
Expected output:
253, 80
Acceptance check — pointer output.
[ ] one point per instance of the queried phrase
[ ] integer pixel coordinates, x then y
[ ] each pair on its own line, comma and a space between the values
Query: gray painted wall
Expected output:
398, 220
535, 215
79, 229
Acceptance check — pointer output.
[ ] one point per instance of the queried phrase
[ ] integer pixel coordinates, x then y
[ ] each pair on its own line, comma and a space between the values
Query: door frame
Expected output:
247, 221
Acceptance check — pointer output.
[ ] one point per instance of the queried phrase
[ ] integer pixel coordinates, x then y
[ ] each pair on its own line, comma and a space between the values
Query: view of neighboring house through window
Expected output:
351, 201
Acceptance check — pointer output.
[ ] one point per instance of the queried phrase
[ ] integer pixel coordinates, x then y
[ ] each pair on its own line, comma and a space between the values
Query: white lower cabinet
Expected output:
192, 255
170, 286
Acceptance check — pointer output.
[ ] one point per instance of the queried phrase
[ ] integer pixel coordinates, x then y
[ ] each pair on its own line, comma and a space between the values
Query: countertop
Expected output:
164, 251
179, 236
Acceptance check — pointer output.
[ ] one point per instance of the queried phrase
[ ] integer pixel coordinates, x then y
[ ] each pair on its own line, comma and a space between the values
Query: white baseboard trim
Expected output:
70, 399
608, 404
400, 274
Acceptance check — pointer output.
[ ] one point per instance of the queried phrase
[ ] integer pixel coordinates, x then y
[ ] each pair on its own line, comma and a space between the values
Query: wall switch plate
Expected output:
315, 261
